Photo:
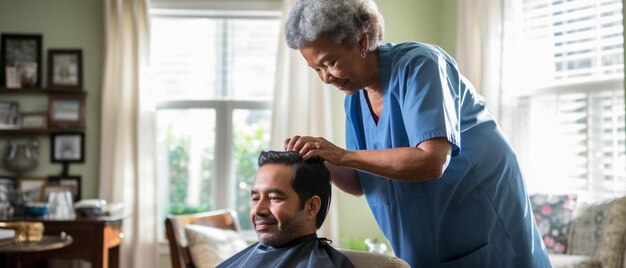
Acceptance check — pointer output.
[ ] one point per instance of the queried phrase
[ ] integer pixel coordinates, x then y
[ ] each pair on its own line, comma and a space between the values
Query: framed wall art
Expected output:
65, 68
32, 185
21, 53
9, 115
67, 147
66, 111
34, 121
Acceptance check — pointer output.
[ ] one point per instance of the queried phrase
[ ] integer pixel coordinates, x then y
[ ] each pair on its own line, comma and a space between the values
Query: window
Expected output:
566, 78
213, 78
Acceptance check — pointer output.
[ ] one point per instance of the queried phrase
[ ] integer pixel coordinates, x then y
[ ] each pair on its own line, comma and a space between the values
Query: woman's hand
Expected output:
310, 147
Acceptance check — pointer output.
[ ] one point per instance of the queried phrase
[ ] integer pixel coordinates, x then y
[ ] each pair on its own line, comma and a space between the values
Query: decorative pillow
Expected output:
553, 214
211, 246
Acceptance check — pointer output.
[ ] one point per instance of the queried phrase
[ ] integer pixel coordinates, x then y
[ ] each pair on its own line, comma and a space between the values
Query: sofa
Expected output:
581, 236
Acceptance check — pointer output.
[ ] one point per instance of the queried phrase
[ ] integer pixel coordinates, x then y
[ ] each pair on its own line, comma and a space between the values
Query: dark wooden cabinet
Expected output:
97, 240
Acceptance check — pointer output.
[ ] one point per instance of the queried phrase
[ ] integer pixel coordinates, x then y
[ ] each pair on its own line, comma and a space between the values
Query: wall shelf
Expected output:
51, 93
37, 90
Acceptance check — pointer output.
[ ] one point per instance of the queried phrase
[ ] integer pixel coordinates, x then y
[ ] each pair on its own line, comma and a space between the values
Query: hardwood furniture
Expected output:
97, 240
175, 231
47, 242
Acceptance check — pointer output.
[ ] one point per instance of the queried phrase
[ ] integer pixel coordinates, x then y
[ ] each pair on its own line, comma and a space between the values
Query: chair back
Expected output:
175, 231
364, 259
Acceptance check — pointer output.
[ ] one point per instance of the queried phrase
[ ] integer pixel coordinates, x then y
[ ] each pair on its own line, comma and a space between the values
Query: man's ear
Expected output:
312, 207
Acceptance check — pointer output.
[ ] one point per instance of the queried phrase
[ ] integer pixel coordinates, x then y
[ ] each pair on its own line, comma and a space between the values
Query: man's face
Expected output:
276, 212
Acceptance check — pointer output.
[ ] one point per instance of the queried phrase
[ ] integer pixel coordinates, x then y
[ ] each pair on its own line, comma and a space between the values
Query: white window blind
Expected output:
570, 97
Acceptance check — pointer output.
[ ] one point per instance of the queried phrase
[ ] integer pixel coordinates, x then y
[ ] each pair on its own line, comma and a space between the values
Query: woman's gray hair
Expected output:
343, 21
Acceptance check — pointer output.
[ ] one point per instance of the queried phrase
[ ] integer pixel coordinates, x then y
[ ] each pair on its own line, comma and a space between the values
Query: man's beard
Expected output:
286, 232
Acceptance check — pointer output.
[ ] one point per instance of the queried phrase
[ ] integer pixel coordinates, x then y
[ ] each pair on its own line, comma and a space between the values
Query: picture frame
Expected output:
66, 111
23, 51
34, 185
72, 182
34, 121
7, 185
9, 115
67, 147
65, 68
12, 78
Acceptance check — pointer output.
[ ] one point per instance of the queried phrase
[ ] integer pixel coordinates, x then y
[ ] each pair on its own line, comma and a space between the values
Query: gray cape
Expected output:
306, 251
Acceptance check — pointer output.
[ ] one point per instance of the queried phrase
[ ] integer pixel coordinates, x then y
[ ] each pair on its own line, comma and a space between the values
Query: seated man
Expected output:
290, 199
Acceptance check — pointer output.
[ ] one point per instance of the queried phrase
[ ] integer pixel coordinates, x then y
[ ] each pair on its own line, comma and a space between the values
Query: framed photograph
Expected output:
12, 77
72, 182
66, 111
65, 68
34, 185
67, 147
24, 52
7, 185
9, 115
34, 121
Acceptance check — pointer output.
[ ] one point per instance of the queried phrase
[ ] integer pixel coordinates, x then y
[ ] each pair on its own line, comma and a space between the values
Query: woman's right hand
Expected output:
344, 178
310, 147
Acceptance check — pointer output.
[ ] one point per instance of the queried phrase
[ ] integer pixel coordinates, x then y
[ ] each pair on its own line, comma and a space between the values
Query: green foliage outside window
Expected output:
250, 140
251, 137
178, 158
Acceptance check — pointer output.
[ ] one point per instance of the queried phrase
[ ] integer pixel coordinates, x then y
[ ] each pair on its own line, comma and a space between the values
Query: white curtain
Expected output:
484, 39
479, 47
302, 106
127, 157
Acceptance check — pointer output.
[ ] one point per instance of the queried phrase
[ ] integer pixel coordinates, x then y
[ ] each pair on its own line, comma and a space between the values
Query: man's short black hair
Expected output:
310, 178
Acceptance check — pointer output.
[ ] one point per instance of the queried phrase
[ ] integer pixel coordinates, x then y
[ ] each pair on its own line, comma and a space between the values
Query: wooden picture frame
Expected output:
9, 115
24, 52
65, 68
66, 111
73, 182
34, 121
7, 184
67, 147
34, 184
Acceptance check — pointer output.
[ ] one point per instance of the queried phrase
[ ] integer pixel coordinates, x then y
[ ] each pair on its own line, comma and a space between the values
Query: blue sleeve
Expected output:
429, 100
354, 127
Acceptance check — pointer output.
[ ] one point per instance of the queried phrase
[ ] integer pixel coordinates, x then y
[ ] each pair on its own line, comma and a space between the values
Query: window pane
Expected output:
254, 47
183, 58
251, 135
211, 58
570, 132
185, 155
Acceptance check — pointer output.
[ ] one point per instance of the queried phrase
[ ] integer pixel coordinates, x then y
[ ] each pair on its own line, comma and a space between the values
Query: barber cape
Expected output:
306, 251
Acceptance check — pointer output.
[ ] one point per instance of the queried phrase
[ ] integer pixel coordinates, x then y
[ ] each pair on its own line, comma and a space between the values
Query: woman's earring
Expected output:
363, 54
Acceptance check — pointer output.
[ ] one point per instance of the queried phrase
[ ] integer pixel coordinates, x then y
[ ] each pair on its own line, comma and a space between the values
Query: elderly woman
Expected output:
442, 181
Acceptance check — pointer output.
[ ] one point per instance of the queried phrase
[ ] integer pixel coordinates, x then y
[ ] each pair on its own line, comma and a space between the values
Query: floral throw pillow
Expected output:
553, 214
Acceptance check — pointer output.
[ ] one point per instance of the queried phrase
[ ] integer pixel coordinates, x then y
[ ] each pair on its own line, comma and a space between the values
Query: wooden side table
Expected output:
96, 240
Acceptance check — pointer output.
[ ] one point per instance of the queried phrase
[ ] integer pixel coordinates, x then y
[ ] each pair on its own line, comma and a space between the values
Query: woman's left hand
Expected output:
310, 147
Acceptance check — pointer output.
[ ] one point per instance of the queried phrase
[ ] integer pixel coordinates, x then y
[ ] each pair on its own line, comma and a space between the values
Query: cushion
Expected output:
553, 214
211, 246
573, 261
600, 231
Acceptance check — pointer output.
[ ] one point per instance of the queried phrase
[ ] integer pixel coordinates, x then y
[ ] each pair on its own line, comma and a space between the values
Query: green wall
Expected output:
63, 24
429, 21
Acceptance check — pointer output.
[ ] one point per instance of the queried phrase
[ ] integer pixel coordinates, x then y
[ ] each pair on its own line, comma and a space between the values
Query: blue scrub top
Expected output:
478, 213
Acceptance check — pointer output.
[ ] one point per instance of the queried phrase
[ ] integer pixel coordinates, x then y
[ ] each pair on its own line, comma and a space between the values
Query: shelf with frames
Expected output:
71, 93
